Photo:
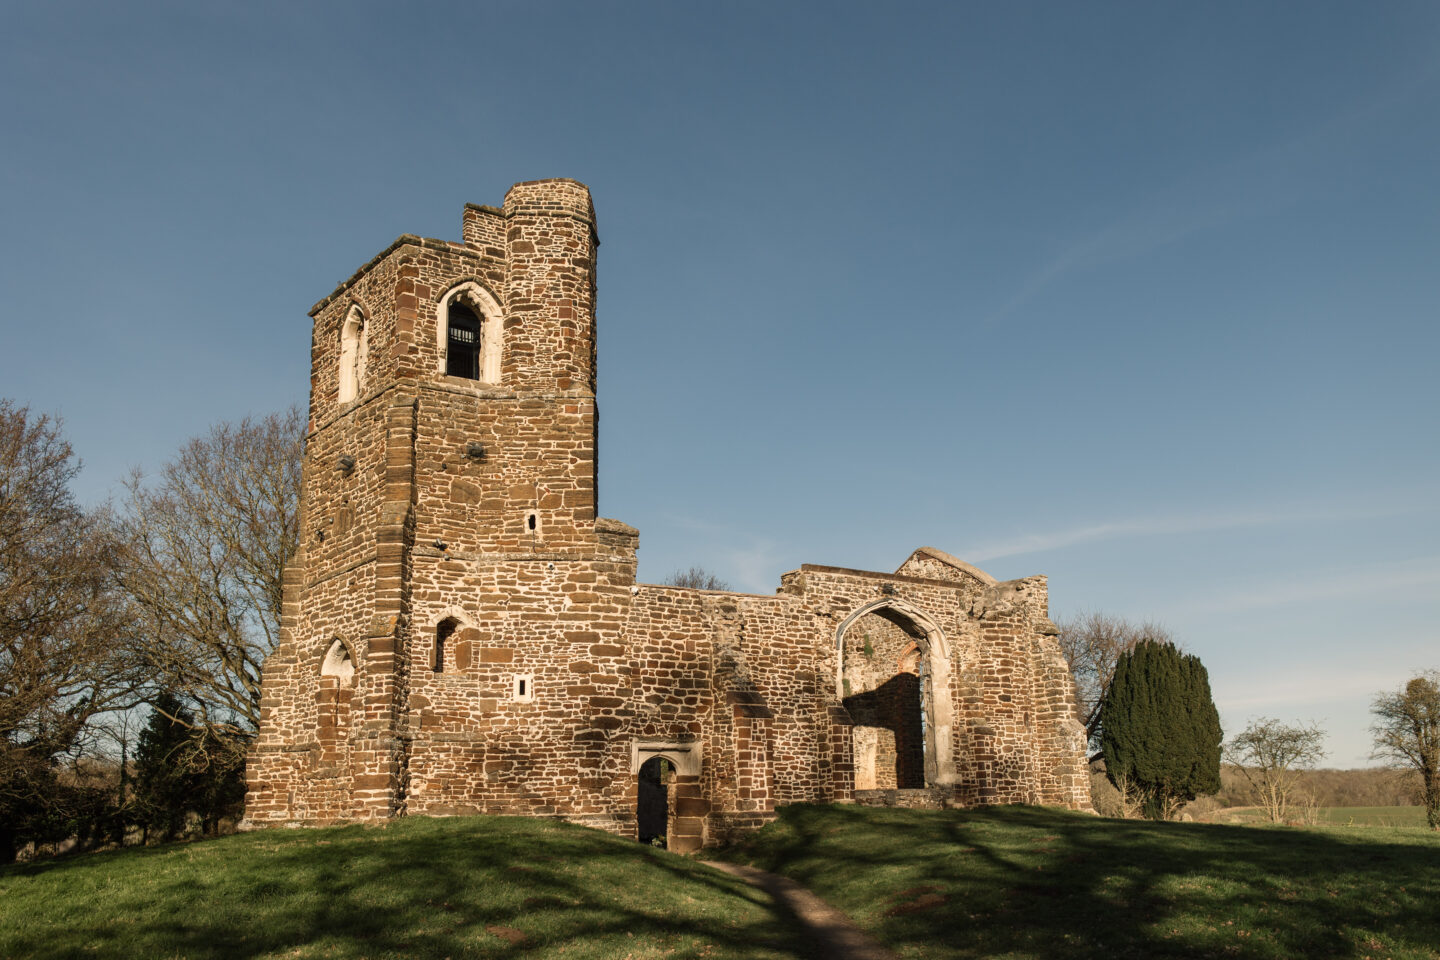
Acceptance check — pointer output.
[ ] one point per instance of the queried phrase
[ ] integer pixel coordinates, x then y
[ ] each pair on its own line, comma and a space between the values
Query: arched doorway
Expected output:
652, 801
681, 822
892, 676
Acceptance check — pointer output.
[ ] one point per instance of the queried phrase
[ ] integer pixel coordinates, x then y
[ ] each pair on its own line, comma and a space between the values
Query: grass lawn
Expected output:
416, 888
1374, 816
1413, 816
1026, 882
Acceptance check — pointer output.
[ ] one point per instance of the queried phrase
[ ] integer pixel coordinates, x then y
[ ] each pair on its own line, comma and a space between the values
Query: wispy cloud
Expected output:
1249, 184
1195, 522
1377, 580
749, 562
756, 567
1112, 530
1312, 686
1163, 222
1333, 692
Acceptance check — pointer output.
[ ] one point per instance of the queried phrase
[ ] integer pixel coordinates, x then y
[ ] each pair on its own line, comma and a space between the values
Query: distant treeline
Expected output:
1367, 787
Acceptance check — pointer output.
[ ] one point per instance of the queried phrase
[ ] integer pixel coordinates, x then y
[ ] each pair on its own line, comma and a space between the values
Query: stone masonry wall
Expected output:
438, 506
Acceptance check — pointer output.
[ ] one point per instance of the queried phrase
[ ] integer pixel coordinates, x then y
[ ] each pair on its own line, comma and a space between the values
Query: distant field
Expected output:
1374, 816
418, 889
1337, 816
1017, 882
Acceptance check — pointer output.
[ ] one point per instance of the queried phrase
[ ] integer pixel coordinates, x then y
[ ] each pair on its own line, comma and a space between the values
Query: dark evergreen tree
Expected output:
218, 759
183, 767
1160, 731
164, 784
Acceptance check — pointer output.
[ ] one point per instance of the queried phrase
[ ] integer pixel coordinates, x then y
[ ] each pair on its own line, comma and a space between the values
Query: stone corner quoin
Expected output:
462, 634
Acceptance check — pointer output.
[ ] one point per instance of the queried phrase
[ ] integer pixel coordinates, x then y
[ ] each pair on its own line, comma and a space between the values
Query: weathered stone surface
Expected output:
555, 673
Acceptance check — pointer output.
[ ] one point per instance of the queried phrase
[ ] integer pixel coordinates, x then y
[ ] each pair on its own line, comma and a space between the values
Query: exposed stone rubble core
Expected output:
462, 634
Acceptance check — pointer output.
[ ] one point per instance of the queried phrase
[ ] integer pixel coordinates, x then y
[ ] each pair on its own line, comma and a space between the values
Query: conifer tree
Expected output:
163, 783
1160, 730
183, 767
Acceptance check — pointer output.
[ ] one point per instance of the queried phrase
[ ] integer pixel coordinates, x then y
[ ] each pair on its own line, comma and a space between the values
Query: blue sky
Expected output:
1139, 296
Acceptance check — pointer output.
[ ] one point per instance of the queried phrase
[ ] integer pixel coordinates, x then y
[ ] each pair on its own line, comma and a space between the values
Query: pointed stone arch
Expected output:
937, 702
479, 299
354, 353
334, 692
339, 662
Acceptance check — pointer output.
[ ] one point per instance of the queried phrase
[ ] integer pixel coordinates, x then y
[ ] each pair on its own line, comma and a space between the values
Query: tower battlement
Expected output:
551, 197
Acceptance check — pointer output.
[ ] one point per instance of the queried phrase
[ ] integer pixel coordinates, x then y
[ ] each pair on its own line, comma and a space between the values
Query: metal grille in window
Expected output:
462, 356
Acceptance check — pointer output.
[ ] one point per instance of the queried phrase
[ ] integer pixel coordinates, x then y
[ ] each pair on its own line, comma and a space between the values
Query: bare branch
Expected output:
696, 578
1407, 733
60, 619
1270, 755
1092, 643
206, 543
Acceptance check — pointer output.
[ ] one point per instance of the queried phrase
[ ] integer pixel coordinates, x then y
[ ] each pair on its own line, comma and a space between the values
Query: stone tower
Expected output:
449, 483
462, 634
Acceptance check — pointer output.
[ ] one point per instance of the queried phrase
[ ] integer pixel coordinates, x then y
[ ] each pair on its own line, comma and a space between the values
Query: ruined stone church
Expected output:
462, 633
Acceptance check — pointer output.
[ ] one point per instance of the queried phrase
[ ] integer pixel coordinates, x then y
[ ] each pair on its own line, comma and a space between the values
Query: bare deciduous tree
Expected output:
697, 578
60, 620
1365, 787
1120, 800
1270, 755
205, 548
1092, 644
1407, 733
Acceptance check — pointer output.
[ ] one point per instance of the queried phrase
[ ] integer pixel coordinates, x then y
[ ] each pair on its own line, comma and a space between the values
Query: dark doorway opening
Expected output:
652, 802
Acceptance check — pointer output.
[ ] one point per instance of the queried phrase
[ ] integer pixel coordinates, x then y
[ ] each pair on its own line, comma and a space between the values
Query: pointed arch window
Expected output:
469, 330
332, 702
338, 664
462, 354
354, 351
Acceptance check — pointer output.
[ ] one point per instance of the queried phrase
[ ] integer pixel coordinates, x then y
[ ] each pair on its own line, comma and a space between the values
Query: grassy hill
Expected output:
1008, 882
417, 888
1026, 882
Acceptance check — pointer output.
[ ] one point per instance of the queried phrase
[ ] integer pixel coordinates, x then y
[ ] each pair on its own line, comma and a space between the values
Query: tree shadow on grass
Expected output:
1023, 882
474, 887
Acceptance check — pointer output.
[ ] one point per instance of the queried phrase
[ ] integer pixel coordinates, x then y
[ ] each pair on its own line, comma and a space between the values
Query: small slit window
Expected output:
462, 349
523, 688
443, 632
